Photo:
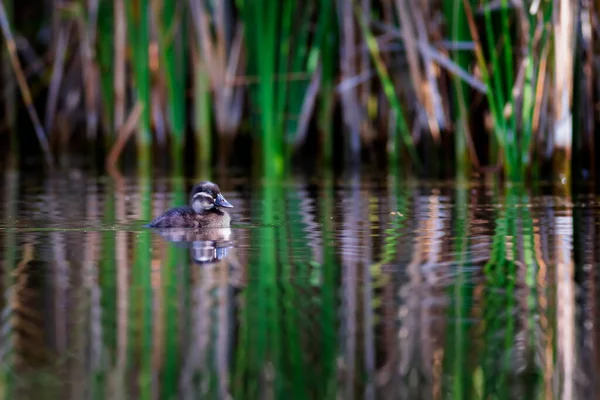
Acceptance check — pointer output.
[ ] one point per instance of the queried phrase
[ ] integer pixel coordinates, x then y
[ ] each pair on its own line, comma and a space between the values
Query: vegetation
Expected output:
481, 84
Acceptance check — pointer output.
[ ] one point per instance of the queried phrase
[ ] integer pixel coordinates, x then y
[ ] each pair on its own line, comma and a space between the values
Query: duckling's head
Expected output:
205, 196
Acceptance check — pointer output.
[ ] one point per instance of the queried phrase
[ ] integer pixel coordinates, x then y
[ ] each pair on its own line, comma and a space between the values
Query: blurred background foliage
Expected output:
422, 85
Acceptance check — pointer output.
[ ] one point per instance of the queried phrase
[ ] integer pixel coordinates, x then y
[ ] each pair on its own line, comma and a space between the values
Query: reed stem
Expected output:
106, 61
9, 104
202, 119
138, 20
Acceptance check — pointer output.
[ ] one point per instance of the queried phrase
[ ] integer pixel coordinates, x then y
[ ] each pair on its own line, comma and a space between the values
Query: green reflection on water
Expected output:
141, 317
275, 323
171, 285
8, 287
457, 363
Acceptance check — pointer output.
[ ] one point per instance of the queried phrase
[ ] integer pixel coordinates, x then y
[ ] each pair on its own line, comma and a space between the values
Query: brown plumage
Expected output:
205, 210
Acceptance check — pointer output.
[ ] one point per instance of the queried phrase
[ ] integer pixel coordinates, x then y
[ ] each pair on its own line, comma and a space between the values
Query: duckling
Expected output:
205, 211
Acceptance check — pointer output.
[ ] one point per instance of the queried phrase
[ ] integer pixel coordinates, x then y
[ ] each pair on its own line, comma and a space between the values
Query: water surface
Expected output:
338, 287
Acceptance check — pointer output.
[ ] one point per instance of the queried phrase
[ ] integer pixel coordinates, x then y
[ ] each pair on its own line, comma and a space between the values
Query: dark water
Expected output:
335, 288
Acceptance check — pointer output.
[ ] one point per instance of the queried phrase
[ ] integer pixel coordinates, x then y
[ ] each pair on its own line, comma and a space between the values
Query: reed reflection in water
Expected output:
343, 287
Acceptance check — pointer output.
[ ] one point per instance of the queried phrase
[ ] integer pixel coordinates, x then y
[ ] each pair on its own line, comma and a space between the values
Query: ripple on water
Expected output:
319, 286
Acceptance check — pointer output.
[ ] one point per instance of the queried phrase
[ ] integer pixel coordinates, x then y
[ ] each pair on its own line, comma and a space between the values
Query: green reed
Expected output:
202, 118
326, 37
455, 13
172, 39
138, 29
289, 68
497, 88
532, 83
284, 56
261, 21
496, 94
105, 61
390, 92
284, 64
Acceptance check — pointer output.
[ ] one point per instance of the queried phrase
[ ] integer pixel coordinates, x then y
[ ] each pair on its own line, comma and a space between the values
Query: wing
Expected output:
174, 218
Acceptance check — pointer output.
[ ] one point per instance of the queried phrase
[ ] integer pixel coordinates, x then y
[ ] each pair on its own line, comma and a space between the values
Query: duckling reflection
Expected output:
206, 245
206, 252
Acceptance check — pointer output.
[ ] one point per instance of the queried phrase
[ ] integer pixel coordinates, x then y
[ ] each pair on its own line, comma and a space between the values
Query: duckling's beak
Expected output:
221, 202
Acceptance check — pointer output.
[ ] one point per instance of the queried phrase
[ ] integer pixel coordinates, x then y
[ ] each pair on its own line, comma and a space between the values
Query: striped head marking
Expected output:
205, 196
